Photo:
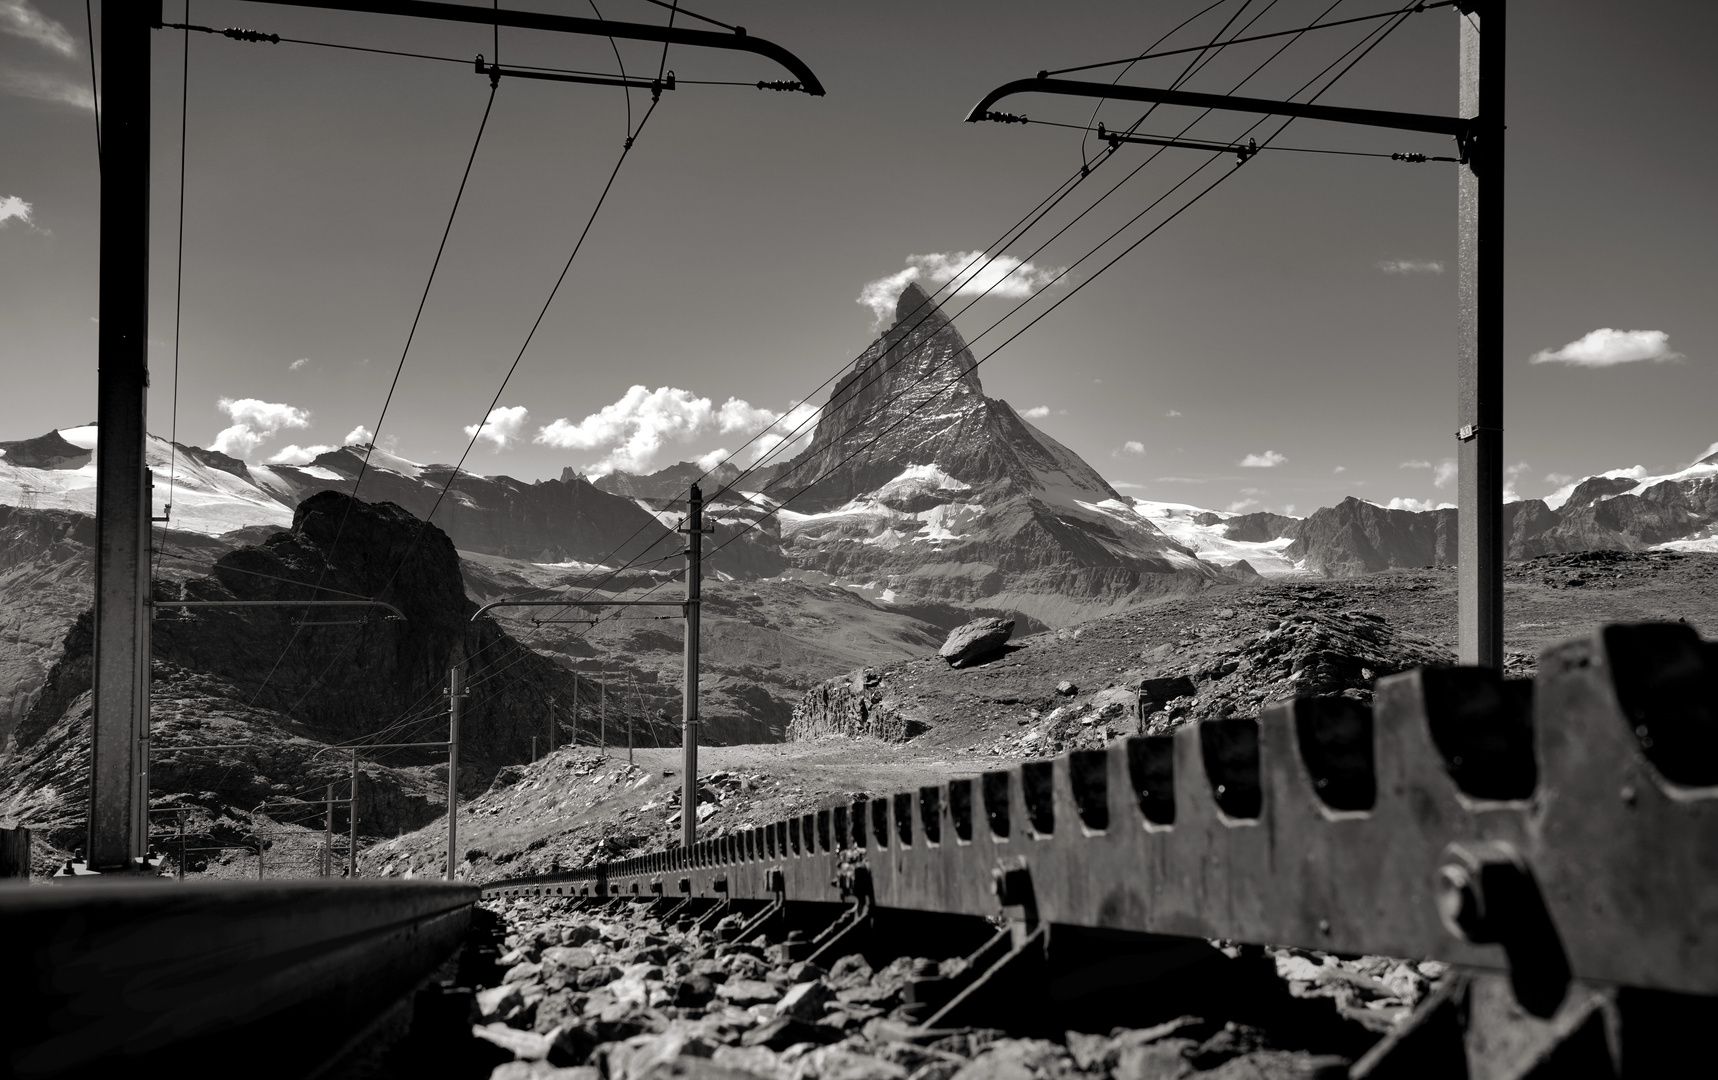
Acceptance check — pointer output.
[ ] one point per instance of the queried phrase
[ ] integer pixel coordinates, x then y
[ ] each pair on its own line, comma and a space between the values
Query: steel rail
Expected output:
738, 41
1325, 825
153, 975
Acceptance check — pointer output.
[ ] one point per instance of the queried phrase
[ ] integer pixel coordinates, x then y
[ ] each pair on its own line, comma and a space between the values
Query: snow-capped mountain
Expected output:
925, 492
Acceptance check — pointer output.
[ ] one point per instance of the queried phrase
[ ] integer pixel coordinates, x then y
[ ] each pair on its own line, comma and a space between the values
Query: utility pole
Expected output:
455, 697
352, 825
551, 749
120, 676
1479, 405
328, 835
602, 715
694, 530
574, 743
1478, 132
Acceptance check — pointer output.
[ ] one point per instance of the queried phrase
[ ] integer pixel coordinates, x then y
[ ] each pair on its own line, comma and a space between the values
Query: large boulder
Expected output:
977, 640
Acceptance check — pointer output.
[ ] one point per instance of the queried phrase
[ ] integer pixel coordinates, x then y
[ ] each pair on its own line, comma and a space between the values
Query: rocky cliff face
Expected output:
291, 681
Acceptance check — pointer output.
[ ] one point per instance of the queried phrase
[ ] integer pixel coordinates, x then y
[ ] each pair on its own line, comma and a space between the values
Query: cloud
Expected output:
501, 427
359, 434
299, 364
634, 430
1340, 469
1132, 446
19, 19
1241, 505
1410, 266
1605, 347
299, 455
1270, 459
790, 433
1557, 498
972, 272
1444, 474
13, 208
1419, 506
254, 423
1179, 480
1510, 475
1173, 413
42, 86
1415, 465
1036, 412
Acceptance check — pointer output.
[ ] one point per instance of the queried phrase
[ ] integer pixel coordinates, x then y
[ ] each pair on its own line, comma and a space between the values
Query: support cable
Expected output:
792, 436
758, 521
398, 368
94, 84
1148, 55
1386, 31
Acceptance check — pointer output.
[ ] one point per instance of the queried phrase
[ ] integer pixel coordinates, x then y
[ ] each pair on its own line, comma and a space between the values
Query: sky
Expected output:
1286, 341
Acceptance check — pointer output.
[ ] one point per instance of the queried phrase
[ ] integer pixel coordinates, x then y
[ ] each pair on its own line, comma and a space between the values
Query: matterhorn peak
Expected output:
914, 304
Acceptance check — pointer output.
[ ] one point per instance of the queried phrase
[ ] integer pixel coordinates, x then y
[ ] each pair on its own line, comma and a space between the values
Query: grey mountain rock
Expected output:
977, 640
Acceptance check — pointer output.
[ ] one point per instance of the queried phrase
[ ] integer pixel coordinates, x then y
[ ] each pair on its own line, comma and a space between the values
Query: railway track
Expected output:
1554, 842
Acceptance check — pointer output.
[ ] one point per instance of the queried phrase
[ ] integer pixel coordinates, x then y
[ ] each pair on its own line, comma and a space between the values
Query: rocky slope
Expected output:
1234, 648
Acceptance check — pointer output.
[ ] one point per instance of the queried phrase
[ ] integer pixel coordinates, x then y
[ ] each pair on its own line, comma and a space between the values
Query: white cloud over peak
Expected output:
1416, 505
1173, 413
20, 19
359, 434
299, 364
1132, 446
255, 422
1415, 465
14, 208
1036, 412
1444, 474
1270, 459
632, 431
1605, 347
501, 428
1340, 469
298, 455
1241, 505
1410, 266
973, 273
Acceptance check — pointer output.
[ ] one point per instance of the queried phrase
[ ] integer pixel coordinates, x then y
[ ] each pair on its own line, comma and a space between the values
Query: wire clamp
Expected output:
1010, 118
780, 84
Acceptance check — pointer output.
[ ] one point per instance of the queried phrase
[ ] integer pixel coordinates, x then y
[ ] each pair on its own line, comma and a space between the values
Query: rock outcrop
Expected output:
977, 640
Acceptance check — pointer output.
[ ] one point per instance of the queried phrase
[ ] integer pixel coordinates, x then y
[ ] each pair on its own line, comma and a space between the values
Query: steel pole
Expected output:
1479, 403
328, 835
551, 749
689, 683
574, 742
602, 716
352, 825
455, 695
121, 645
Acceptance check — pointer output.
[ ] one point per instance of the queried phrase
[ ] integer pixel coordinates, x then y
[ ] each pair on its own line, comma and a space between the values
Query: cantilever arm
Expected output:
1456, 126
396, 613
739, 41
579, 603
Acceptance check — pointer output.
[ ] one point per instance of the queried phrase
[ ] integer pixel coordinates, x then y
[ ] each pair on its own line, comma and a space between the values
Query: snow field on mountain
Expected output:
1209, 542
